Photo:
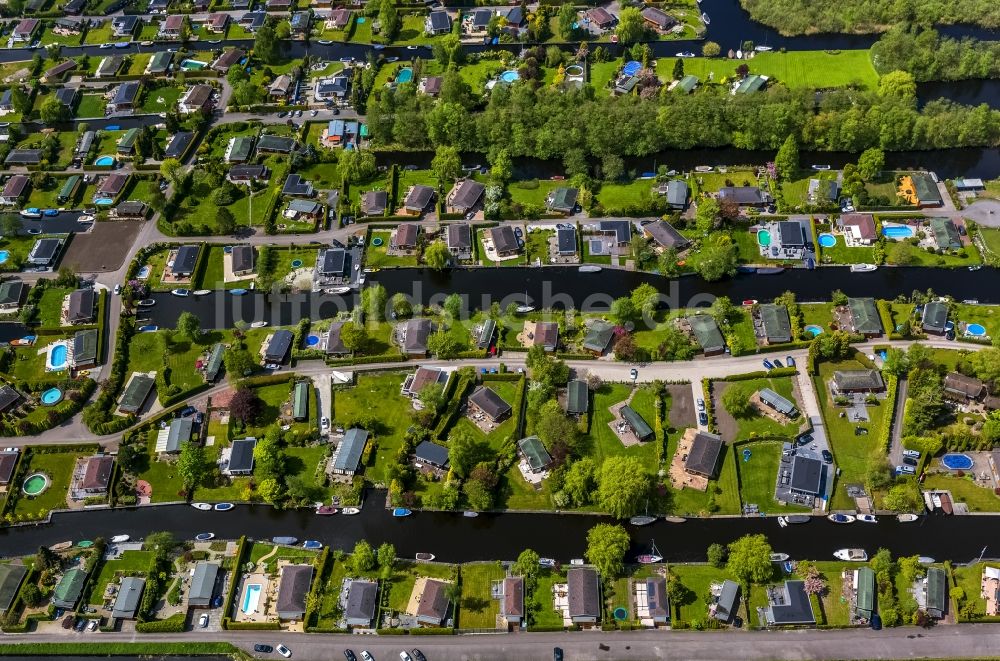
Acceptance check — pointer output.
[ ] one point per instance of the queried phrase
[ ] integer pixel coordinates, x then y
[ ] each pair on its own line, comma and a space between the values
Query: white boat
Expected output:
524, 309
674, 519
821, 167
907, 518
762, 49
936, 499
975, 267
351, 510
576, 562
863, 268
425, 557
470, 514
589, 268
258, 324
798, 518
85, 218
118, 539
201, 292
783, 522
837, 517
642, 520
183, 293
546, 562
739, 55
31, 213
146, 303
204, 507
340, 290
866, 518
703, 168
926, 560
705, 18
779, 557
929, 500
851, 555
204, 536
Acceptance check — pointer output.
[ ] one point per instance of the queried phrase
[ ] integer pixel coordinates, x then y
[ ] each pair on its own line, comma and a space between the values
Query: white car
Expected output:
366, 656
92, 626
701, 404
324, 424
118, 289
405, 656
283, 651
203, 621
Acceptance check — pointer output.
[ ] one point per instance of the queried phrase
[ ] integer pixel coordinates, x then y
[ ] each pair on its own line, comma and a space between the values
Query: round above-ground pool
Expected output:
312, 340
35, 484
957, 462
509, 76
827, 240
296, 263
975, 330
813, 330
52, 396
4, 256
763, 238
377, 241
405, 75
574, 70
105, 161
897, 232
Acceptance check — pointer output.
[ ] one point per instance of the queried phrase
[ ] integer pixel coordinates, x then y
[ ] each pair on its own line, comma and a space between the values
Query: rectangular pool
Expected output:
251, 597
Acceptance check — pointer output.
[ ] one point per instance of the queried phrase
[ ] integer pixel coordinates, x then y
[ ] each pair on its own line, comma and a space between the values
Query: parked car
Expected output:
92, 626
203, 620
283, 651
805, 439
702, 418
405, 656
768, 364
906, 470
789, 361
366, 656
557, 654
187, 410
349, 655
827, 456
518, 233
418, 655
701, 404
118, 289
911, 453
80, 624
262, 648
909, 461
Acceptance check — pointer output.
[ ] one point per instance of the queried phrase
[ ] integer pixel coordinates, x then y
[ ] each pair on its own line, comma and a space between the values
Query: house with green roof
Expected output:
864, 317
926, 190
934, 320
69, 188
214, 363
562, 200
577, 398
750, 84
136, 393
635, 422
300, 400
84, 349
774, 323
707, 334
686, 84
127, 143
159, 63
535, 454
598, 337
69, 588
946, 234
10, 582
936, 591
864, 589
239, 149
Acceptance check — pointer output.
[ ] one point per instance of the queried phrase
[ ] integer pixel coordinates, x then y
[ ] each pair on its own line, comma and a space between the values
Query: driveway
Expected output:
985, 212
682, 409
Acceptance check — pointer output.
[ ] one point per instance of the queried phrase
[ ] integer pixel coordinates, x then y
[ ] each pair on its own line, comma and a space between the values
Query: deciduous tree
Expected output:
623, 486
606, 548
750, 560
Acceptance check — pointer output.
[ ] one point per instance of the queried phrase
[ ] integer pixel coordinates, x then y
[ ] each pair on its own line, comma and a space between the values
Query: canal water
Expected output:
564, 287
454, 538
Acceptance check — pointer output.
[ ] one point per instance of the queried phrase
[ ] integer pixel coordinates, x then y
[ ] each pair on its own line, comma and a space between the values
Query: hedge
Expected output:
227, 605
368, 360
885, 433
319, 580
170, 400
268, 379
173, 624
230, 625
448, 415
763, 374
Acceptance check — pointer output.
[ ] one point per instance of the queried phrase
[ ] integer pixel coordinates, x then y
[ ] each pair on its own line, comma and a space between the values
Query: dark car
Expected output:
418, 655
187, 410
557, 654
827, 456
805, 439
910, 461
350, 655
702, 418
876, 622
262, 648
777, 363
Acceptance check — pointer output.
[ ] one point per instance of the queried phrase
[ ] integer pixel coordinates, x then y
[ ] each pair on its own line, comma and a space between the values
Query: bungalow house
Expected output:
658, 19
159, 64
864, 590
620, 231
95, 478
512, 600
485, 333
707, 334
12, 293
112, 186
744, 196
361, 601
136, 393
333, 263
920, 190
934, 320
172, 25
686, 85
665, 235
374, 203
936, 592
437, 22
598, 338
430, 85
333, 343
458, 238
414, 337
196, 98
534, 453
276, 348
542, 333
583, 598
126, 97
293, 586
600, 17
421, 378
805, 479
339, 19
296, 186
239, 174
203, 584
14, 189
504, 240
857, 381
44, 252
69, 189
9, 398
124, 25
566, 241
278, 5
858, 228
332, 88
228, 59
128, 598
84, 349
432, 602
74, 6
109, 66
25, 157
81, 306
750, 84
823, 191
464, 196
477, 21
790, 239
486, 402
239, 460
238, 149
676, 192
775, 323
11, 577
275, 144
514, 16
58, 72
299, 23
6, 103
281, 86
428, 454
304, 209
301, 394
253, 20
405, 236
789, 606
946, 234
725, 601
217, 22
562, 200
67, 592
177, 433
635, 422
185, 260
863, 317
346, 459
242, 258
126, 144
577, 398
703, 457
963, 388
781, 405
8, 462
657, 603
417, 199
25, 30
131, 209
969, 184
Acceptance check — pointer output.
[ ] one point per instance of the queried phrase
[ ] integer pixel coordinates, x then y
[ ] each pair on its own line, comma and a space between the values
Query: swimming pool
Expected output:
312, 340
105, 161
377, 241
57, 356
956, 461
827, 240
4, 256
251, 597
52, 396
763, 238
405, 75
35, 484
813, 330
193, 65
143, 272
510, 76
897, 232
104, 201
975, 330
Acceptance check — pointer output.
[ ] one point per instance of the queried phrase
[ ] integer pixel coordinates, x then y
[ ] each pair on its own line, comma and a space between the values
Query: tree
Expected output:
388, 17
717, 555
386, 555
870, 163
188, 325
269, 458
225, 221
271, 490
443, 344
553, 426
711, 49
266, 43
172, 170
245, 406
622, 486
501, 165
401, 305
446, 164
447, 50
10, 224
723, 310
437, 256
899, 85
191, 465
363, 557
357, 165
736, 400
896, 362
46, 559
581, 481
245, 93
708, 214
53, 110
646, 298
373, 302
526, 564
432, 396
678, 69
901, 254
31, 595
750, 560
354, 336
631, 26
623, 310
453, 306
567, 21
986, 364
717, 262
786, 162
19, 100
903, 497
606, 548
465, 452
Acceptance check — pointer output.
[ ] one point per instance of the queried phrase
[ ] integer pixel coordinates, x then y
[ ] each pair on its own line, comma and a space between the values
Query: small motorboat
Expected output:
204, 507
642, 520
119, 539
546, 562
61, 546
798, 518
239, 291
863, 268
851, 555
149, 328
400, 512
674, 519
686, 53
183, 293
762, 49
146, 303
312, 544
201, 292
340, 291
425, 557
31, 212
926, 560
284, 540
750, 301
223, 507
576, 562
649, 559
779, 557
204, 536
589, 268
326, 510
85, 218
350, 511
821, 167
524, 309
705, 19
703, 168
783, 522
258, 324
971, 301
907, 518
739, 55
837, 517
867, 518
770, 270
976, 267
469, 514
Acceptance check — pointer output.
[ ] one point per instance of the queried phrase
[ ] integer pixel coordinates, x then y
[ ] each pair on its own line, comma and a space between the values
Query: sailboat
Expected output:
642, 519
523, 309
650, 558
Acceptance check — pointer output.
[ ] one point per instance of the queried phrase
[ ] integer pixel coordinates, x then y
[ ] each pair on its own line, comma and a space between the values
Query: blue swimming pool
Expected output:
813, 330
104, 201
57, 357
956, 461
509, 76
405, 75
4, 256
52, 396
251, 598
975, 330
827, 240
763, 238
312, 340
897, 232
105, 161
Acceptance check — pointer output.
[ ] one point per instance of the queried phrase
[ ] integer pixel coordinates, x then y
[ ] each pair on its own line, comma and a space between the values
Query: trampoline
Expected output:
621, 614
296, 263
312, 340
377, 241
746, 455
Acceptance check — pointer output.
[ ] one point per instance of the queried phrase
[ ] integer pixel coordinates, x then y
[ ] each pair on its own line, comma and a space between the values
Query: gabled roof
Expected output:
9, 396
296, 185
8, 460
546, 334
512, 605
489, 402
241, 455
583, 599
228, 59
374, 202
418, 198
129, 595
406, 235
215, 361
160, 61
276, 143
431, 453
465, 194
179, 144
622, 229
243, 258
807, 475
293, 586
967, 386
24, 157
14, 187
97, 473
60, 69
865, 316
925, 188
536, 454
10, 580
81, 305
185, 259
864, 224
361, 600
277, 348
658, 17
780, 404
707, 333
459, 236
417, 332
179, 432
503, 238
577, 397
566, 240
599, 336
742, 194
937, 592
865, 589
858, 380
70, 586
946, 234
439, 20
433, 602
777, 324
563, 199
638, 424
791, 233
685, 84
350, 450
333, 261
334, 343
113, 184
126, 93
665, 235
203, 581
704, 454
656, 597
726, 605
935, 316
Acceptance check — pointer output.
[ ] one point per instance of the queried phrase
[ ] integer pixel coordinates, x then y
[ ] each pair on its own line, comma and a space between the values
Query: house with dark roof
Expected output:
601, 17
946, 234
542, 333
346, 459
216, 358
95, 478
583, 598
112, 186
8, 461
430, 454
339, 18
775, 323
703, 457
534, 453
857, 381
805, 477
864, 590
437, 22
240, 458
421, 378
175, 435
657, 601
863, 317
463, 196
9, 398
14, 189
126, 96
159, 63
484, 400
749, 84
293, 587
726, 602
172, 25
744, 196
238, 149
658, 19
620, 231
415, 333
136, 393
458, 238
228, 59
333, 343
128, 598
566, 240
131, 209
109, 66
598, 337
196, 98
476, 21
67, 592
361, 602
126, 144
275, 144
124, 25
374, 203
920, 189
431, 85
84, 348
936, 592
333, 263
203, 584
859, 227
675, 189
217, 22
577, 398
23, 157
789, 606
417, 199
963, 388
243, 258
296, 186
512, 600
432, 602
707, 334
665, 235
58, 72
25, 29
636, 423
562, 200
185, 260
486, 332
934, 320
11, 576
12, 294
776, 402
277, 346
239, 174
44, 252
81, 306
504, 240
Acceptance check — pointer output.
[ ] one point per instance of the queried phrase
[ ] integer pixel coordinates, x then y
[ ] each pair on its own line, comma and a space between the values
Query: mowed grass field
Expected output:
810, 69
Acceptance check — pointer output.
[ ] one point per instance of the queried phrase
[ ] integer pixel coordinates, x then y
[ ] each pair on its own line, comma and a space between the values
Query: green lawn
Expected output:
835, 607
758, 476
532, 191
604, 442
991, 237
101, 34
147, 352
395, 413
986, 315
131, 563
506, 390
162, 99
760, 425
969, 579
542, 612
215, 273
621, 196
817, 314
478, 610
58, 466
690, 502
963, 489
405, 575
796, 69
160, 473
376, 256
50, 306
304, 462
698, 580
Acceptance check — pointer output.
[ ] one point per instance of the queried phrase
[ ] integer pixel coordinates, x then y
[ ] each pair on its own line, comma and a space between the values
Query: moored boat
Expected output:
524, 309
149, 328
118, 539
705, 18
258, 324
312, 544
907, 518
470, 514
798, 518
204, 536
223, 507
837, 517
31, 212
820, 167
851, 555
326, 510
401, 512
863, 268
546, 562
201, 292
770, 270
750, 301
239, 291
284, 539
926, 560
146, 303
339, 290
867, 518
424, 557
649, 559
61, 546
782, 522
348, 511
779, 557
181, 292
589, 268
762, 49
204, 507
674, 519
642, 520
703, 168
